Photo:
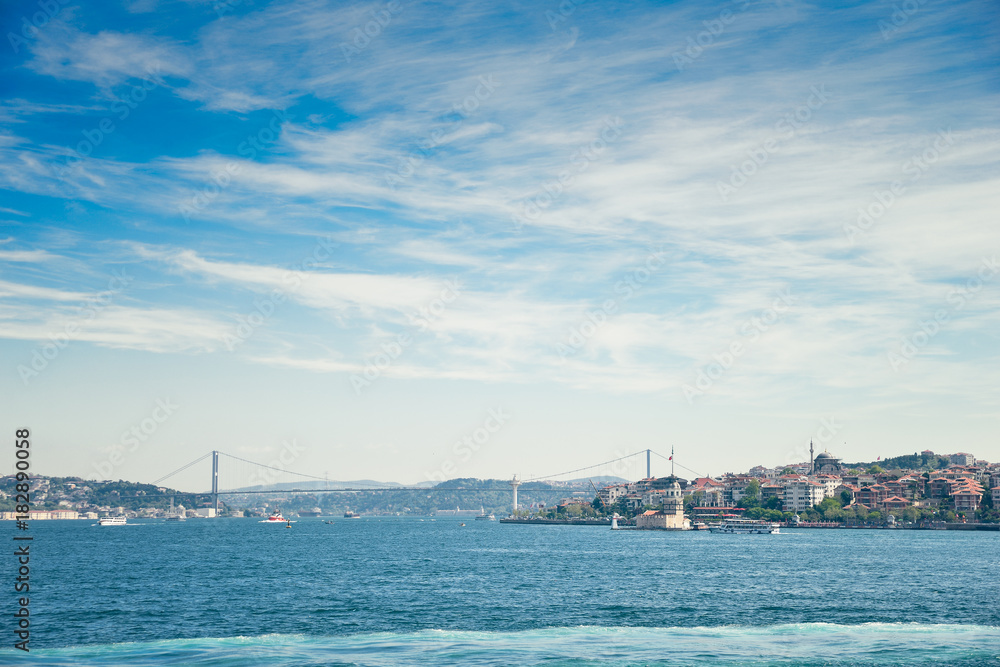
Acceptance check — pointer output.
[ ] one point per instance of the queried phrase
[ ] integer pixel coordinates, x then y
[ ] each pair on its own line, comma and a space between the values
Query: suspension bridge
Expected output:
234, 475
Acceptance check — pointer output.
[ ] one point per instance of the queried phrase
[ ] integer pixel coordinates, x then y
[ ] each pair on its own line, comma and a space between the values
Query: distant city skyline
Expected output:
390, 240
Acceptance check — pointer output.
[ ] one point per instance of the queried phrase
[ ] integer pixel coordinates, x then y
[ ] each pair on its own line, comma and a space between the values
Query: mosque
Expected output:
824, 463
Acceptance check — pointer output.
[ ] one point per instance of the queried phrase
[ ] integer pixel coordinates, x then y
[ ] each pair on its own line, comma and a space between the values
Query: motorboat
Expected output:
276, 518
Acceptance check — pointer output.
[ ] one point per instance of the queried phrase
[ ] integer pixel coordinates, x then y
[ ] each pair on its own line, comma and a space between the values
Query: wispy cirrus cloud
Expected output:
417, 155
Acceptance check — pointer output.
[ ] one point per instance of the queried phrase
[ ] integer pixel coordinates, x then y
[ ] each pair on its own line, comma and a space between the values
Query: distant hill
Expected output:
913, 461
332, 484
493, 495
600, 480
464, 482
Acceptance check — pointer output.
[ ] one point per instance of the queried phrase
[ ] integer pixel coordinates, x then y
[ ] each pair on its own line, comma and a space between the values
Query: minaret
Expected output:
514, 483
812, 461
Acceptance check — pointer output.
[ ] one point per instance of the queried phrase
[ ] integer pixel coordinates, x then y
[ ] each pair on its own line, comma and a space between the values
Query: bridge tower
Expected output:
215, 480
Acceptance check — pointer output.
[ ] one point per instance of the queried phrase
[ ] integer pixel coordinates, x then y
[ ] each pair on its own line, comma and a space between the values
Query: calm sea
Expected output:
408, 591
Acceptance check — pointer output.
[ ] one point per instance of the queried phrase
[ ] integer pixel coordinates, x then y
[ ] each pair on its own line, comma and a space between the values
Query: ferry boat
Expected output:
351, 515
112, 521
746, 526
276, 518
483, 516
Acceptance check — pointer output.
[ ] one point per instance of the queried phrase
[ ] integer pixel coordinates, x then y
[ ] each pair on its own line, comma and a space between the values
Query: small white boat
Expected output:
746, 526
112, 521
483, 516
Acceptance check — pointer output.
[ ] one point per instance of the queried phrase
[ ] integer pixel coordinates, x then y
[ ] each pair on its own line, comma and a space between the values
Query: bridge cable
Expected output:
183, 468
596, 465
292, 472
677, 464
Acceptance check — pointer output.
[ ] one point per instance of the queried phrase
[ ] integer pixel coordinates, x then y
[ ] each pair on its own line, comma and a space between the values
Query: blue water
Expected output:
405, 591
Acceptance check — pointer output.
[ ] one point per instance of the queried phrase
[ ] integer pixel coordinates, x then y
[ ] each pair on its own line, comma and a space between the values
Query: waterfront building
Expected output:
952, 472
801, 494
663, 483
850, 488
967, 494
642, 485
703, 513
938, 487
872, 496
713, 496
736, 488
705, 485
771, 490
609, 495
967, 499
633, 501
653, 497
862, 479
829, 482
895, 503
910, 487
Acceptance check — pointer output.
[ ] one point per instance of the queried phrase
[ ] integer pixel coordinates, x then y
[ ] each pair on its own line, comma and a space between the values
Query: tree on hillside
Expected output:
986, 502
752, 493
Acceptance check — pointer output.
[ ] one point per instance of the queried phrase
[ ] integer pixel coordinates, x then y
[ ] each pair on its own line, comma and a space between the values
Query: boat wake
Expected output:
810, 644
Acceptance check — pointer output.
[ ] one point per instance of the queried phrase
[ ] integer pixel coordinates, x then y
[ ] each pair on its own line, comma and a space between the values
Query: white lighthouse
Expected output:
514, 483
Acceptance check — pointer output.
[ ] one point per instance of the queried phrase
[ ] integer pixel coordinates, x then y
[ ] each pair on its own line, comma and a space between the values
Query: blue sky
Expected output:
343, 233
